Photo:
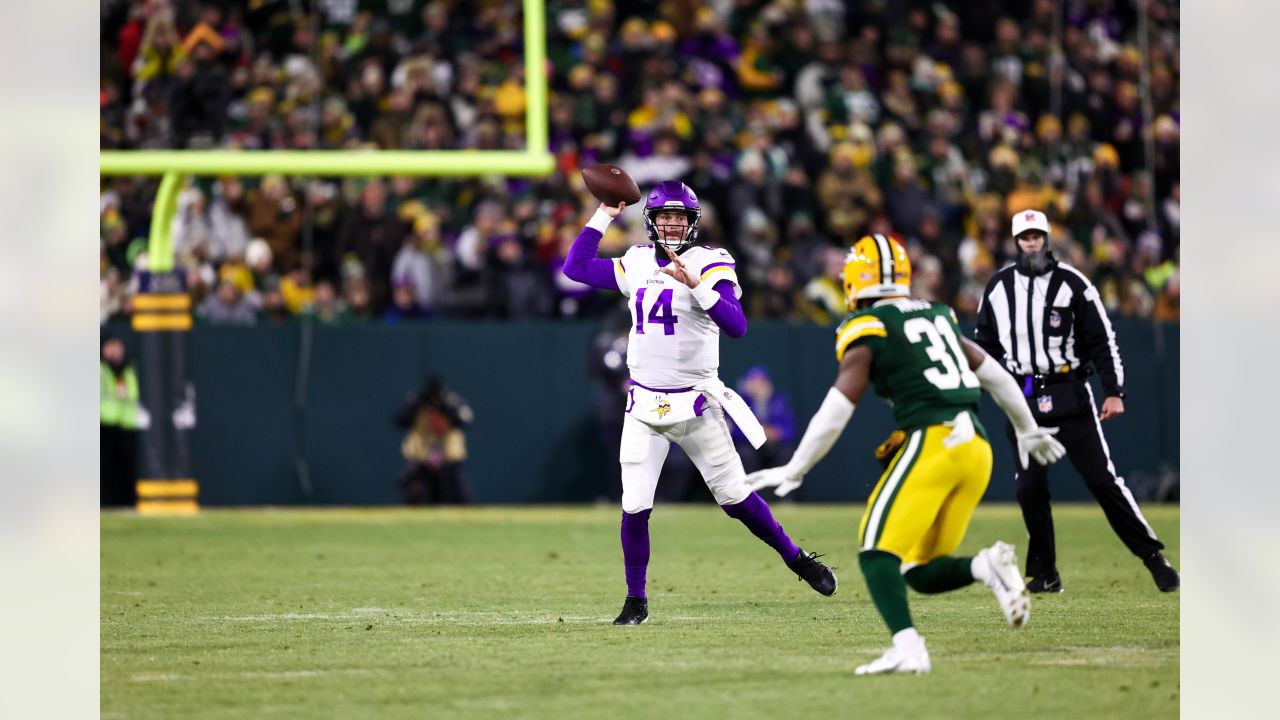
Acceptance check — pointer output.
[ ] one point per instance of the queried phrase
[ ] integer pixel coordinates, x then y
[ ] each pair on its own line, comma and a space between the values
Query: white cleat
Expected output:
907, 658
1005, 580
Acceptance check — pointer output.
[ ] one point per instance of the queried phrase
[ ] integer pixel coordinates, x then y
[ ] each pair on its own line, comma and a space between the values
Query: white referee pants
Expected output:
706, 440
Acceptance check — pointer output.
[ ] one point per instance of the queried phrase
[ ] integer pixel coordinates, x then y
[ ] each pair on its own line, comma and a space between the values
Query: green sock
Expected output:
940, 575
888, 590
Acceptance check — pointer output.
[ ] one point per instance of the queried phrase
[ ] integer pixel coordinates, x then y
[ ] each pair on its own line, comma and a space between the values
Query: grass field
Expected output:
505, 612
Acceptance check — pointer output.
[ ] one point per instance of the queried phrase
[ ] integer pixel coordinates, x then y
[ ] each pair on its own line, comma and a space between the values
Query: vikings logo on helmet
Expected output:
672, 195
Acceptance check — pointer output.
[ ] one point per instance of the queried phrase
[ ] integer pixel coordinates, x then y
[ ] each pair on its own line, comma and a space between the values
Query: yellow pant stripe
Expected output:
926, 512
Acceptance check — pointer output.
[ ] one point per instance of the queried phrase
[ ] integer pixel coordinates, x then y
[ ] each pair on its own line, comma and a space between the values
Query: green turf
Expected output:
505, 612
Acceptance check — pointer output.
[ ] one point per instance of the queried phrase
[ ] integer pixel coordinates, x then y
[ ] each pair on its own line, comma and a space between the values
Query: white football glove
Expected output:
1040, 445
783, 480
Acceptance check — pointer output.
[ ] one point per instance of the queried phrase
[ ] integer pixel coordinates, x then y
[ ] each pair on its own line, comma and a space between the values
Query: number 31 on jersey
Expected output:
943, 349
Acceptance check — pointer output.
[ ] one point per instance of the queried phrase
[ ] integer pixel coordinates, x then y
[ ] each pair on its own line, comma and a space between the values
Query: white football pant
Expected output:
705, 438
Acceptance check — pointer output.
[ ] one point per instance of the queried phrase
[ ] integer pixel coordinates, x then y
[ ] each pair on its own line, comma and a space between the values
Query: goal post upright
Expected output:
162, 311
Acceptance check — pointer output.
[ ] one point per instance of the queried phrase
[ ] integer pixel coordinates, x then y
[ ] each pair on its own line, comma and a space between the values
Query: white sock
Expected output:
981, 569
908, 638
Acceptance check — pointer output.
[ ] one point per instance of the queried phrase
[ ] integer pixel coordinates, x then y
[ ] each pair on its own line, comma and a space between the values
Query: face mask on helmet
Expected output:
666, 197
661, 232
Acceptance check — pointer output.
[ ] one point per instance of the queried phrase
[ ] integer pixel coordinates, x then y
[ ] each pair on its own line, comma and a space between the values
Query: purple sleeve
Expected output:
728, 312
583, 265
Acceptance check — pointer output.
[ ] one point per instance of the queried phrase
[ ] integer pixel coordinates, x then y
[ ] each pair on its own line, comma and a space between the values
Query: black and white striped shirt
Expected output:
1050, 323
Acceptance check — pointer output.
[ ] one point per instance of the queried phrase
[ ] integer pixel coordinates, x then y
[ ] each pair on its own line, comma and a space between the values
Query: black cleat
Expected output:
1163, 573
819, 576
634, 611
1047, 584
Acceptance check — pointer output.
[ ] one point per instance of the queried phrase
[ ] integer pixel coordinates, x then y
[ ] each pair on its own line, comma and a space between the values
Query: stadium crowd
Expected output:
801, 125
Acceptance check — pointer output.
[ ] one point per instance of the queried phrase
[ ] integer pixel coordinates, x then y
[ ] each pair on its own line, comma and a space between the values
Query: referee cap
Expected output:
1030, 220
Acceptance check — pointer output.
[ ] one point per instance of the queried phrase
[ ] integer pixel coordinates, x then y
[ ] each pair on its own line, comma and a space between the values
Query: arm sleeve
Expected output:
823, 431
727, 311
582, 264
985, 333
1004, 390
1099, 339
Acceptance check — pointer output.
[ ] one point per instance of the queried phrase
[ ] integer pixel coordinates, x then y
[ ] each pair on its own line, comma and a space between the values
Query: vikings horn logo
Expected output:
663, 408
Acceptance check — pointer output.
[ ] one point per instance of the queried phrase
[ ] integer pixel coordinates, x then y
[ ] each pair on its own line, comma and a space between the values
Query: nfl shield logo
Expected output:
1045, 403
1055, 319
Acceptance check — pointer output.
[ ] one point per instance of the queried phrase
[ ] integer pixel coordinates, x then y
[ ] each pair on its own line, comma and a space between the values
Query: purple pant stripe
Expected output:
661, 390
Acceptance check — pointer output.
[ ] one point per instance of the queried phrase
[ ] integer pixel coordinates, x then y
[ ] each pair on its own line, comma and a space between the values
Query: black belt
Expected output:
1041, 380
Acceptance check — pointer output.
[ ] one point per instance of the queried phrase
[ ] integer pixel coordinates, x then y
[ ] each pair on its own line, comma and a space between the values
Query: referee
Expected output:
1044, 320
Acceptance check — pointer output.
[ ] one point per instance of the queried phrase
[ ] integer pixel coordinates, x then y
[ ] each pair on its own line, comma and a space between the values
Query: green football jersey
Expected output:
917, 364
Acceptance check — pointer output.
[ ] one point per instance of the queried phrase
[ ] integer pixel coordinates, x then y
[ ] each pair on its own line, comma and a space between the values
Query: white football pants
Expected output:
706, 440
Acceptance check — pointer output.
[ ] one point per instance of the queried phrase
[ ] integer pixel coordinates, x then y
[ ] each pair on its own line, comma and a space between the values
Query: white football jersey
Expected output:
673, 342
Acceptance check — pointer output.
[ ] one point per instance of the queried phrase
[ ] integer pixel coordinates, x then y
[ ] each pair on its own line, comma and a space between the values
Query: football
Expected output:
611, 184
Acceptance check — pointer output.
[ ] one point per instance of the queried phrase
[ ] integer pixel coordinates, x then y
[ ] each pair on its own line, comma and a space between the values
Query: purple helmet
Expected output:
672, 195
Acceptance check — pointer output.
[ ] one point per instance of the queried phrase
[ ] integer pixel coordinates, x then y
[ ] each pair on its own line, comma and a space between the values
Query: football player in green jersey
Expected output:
913, 354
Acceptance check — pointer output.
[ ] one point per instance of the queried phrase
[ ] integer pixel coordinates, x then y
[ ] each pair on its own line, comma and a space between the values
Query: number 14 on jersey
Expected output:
660, 312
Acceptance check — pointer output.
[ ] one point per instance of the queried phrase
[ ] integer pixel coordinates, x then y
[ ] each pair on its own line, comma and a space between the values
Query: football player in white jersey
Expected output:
681, 296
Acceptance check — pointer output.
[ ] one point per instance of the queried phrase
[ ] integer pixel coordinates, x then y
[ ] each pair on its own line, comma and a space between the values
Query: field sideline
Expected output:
506, 611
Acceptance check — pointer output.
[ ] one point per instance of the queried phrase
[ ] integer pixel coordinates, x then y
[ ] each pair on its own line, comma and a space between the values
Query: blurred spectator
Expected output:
775, 412
327, 307
228, 228
120, 417
271, 307
434, 446
518, 287
372, 235
607, 366
424, 262
227, 306
404, 305
274, 216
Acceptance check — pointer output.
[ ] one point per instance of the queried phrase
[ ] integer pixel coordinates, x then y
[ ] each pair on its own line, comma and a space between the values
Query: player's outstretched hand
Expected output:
1041, 445
678, 270
613, 211
781, 479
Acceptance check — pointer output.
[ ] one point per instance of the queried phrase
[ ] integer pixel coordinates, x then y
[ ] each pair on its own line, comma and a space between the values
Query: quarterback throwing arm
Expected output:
716, 281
